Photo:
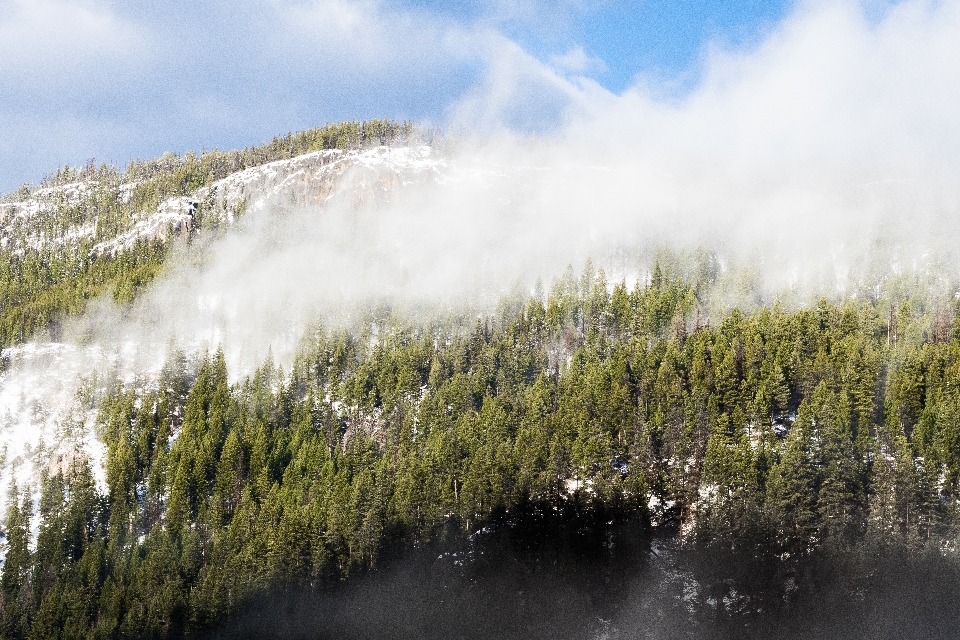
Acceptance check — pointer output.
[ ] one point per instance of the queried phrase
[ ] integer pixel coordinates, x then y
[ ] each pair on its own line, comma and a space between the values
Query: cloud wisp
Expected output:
826, 155
96, 78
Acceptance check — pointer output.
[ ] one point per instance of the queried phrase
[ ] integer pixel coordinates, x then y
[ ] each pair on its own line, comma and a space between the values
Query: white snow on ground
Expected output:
47, 409
48, 390
299, 180
175, 215
25, 219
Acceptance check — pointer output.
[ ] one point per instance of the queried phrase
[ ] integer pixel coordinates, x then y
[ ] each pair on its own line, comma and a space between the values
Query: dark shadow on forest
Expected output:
533, 581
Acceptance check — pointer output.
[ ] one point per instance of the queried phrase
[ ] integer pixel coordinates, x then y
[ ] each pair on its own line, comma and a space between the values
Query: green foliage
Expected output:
781, 434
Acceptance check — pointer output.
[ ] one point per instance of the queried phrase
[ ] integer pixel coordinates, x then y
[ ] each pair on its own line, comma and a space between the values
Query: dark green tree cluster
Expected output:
784, 434
38, 290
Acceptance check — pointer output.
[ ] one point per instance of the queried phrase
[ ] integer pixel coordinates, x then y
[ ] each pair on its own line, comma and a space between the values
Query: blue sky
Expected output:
657, 39
120, 80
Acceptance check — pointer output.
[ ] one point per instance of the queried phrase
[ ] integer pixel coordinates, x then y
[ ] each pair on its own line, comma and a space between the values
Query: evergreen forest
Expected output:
769, 441
596, 459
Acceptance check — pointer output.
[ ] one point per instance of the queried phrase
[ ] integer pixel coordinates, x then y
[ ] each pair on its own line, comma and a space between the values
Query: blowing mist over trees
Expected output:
684, 363
596, 423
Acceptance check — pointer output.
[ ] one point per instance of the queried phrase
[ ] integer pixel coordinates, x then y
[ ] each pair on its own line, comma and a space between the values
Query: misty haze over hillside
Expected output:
813, 172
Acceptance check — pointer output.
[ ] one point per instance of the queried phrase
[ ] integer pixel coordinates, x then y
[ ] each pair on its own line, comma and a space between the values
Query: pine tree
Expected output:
793, 487
15, 576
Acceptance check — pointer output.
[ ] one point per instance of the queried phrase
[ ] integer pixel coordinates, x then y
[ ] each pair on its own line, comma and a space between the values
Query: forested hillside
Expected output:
93, 230
776, 438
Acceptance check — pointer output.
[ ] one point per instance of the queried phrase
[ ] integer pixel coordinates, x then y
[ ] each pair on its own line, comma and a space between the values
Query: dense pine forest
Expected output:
611, 415
750, 467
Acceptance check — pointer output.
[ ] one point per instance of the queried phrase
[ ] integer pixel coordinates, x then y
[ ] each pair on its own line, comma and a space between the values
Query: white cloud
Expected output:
830, 145
51, 40
520, 93
577, 61
366, 38
212, 74
836, 131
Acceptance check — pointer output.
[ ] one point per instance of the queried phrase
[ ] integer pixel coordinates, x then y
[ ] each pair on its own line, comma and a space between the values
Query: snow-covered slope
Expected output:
39, 220
34, 221
49, 391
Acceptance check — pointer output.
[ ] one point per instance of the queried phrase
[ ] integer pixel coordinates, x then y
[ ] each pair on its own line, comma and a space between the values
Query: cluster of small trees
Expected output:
784, 434
39, 290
